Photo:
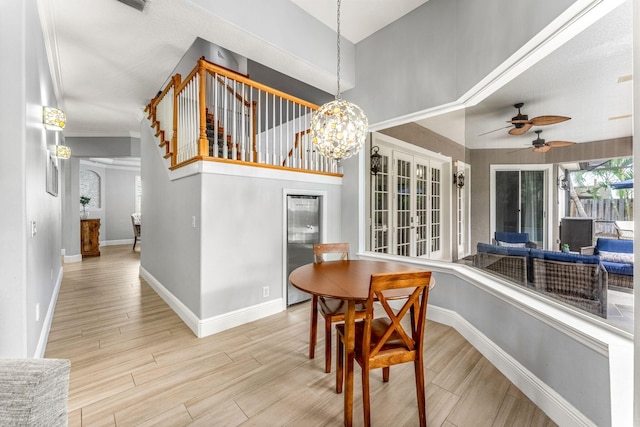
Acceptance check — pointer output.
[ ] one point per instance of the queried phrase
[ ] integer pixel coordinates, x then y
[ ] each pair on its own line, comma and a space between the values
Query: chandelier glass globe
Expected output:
339, 129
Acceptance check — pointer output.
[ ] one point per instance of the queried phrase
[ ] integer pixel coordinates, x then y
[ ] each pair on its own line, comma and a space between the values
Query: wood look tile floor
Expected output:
133, 362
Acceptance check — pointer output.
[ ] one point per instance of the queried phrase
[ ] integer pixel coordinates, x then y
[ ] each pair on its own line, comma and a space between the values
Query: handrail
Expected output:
218, 114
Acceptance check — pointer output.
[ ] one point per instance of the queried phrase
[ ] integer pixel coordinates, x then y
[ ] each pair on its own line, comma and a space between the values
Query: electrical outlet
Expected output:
37, 312
265, 291
193, 221
34, 230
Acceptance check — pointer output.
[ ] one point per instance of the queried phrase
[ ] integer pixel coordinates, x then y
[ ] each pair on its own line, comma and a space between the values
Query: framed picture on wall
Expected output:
52, 175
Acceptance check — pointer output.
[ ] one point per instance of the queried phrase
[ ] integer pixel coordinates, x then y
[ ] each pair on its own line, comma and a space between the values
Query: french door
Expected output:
407, 206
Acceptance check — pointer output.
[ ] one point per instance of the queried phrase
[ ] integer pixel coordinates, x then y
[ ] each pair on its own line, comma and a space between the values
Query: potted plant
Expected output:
84, 201
565, 248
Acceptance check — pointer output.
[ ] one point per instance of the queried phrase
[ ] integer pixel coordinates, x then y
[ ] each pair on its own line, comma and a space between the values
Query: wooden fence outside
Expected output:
605, 212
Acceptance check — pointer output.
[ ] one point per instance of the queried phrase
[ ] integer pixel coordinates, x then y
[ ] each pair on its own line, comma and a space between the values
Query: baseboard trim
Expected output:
214, 324
72, 258
547, 399
41, 348
116, 242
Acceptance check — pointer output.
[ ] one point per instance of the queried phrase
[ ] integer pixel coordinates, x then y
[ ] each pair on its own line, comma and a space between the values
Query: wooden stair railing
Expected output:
218, 114
296, 144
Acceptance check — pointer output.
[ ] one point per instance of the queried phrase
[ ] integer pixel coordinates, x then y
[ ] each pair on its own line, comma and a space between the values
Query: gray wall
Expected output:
436, 53
30, 265
70, 211
172, 247
120, 203
237, 245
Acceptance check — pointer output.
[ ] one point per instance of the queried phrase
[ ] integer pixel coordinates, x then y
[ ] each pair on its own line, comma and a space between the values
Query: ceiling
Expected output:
577, 80
580, 80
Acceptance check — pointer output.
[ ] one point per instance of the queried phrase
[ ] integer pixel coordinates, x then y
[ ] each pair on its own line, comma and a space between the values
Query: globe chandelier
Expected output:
339, 128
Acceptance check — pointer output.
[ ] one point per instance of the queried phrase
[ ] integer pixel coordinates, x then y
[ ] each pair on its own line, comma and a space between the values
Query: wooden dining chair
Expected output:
383, 342
332, 310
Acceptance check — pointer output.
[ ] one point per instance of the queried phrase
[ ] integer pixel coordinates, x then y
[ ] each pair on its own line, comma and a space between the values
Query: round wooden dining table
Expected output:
347, 280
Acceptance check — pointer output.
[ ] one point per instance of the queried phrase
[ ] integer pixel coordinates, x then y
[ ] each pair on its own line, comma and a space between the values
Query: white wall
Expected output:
30, 265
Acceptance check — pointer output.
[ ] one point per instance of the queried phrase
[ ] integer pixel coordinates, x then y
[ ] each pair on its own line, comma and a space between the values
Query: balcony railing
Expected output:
216, 114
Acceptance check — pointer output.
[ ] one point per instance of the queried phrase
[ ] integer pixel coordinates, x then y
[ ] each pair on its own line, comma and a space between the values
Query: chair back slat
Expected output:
322, 249
415, 304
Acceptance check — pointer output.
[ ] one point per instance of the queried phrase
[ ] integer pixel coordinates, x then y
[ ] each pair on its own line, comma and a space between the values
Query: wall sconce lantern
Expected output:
376, 161
458, 179
563, 183
63, 152
53, 118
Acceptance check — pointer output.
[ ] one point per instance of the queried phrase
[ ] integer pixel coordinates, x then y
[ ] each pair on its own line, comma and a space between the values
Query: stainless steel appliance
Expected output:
303, 230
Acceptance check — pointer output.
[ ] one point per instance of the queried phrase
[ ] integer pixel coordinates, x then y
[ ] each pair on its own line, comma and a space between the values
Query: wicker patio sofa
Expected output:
617, 258
509, 262
579, 280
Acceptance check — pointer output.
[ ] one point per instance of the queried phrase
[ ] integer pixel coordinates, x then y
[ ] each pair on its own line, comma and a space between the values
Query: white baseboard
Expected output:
116, 242
215, 324
48, 318
547, 399
72, 258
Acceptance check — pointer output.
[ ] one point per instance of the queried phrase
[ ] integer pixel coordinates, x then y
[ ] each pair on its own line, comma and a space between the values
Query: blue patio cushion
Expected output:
511, 237
502, 250
618, 268
564, 257
613, 245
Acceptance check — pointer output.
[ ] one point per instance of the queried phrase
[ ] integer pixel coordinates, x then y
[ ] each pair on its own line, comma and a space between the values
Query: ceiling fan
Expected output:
520, 124
541, 146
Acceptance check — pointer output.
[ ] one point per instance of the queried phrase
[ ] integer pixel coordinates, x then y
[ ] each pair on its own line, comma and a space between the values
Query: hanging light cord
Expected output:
338, 67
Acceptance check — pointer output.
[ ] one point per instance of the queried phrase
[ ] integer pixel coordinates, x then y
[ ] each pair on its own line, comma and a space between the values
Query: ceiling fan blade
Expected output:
542, 149
495, 130
519, 131
519, 121
560, 143
519, 149
548, 120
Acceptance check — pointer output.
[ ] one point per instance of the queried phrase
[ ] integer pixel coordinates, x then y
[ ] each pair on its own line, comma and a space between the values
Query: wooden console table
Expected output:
90, 237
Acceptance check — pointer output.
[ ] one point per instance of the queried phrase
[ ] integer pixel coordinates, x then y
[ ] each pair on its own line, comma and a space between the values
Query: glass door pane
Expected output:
532, 205
436, 210
380, 208
507, 201
403, 207
422, 208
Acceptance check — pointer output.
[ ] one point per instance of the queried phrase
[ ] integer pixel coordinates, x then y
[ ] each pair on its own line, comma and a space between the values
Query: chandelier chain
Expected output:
338, 50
